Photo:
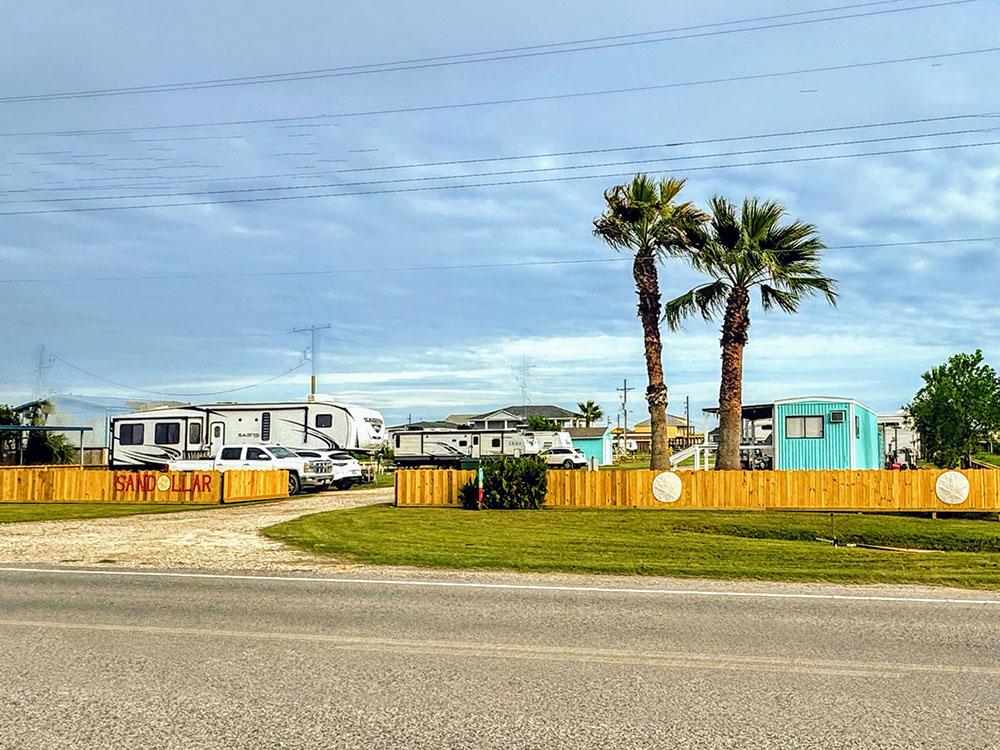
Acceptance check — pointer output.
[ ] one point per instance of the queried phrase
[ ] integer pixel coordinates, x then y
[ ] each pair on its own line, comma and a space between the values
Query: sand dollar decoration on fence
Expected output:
163, 483
952, 488
667, 487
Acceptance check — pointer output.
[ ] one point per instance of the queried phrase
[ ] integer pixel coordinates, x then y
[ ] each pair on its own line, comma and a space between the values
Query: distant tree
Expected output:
50, 448
40, 447
541, 424
747, 247
591, 411
8, 440
645, 218
957, 408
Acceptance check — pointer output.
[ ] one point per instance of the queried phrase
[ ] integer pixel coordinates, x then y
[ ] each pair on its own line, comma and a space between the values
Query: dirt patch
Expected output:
227, 538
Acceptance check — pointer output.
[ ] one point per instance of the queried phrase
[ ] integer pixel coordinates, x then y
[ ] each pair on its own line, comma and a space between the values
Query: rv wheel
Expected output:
293, 483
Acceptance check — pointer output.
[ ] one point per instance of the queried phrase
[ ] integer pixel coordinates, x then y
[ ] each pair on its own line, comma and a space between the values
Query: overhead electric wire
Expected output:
520, 157
504, 183
528, 99
94, 375
444, 61
444, 267
499, 173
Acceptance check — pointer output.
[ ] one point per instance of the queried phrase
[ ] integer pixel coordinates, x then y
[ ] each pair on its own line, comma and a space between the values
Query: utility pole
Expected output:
624, 391
521, 375
44, 363
687, 413
313, 331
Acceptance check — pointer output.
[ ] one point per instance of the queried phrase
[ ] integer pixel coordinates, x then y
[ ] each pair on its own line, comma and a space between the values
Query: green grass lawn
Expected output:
988, 458
18, 512
386, 479
750, 545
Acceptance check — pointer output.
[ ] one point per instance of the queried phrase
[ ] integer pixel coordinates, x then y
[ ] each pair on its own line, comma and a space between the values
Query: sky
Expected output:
201, 298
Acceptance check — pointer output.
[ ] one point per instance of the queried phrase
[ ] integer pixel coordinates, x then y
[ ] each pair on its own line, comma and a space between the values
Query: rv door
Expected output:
216, 436
475, 449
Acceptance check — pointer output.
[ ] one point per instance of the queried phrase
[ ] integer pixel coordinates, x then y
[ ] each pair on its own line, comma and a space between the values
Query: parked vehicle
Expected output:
567, 458
547, 440
452, 447
346, 468
303, 473
147, 438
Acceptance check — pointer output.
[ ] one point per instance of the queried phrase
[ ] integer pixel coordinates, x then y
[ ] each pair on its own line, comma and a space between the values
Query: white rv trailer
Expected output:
450, 447
547, 440
157, 436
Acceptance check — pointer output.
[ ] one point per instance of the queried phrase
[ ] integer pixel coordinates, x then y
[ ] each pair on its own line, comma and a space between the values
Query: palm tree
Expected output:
748, 247
644, 218
591, 412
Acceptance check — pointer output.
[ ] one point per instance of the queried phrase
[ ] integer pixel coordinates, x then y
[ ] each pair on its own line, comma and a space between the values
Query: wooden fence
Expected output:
79, 485
728, 490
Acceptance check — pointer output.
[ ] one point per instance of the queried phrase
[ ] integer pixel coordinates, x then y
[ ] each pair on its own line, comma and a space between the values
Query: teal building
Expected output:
825, 433
593, 442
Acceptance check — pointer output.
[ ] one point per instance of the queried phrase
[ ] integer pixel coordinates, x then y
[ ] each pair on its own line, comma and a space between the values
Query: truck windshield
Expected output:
279, 452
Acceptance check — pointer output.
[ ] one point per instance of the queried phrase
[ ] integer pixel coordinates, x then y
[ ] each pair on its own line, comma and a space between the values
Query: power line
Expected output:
522, 157
452, 267
442, 61
529, 99
503, 183
500, 173
94, 375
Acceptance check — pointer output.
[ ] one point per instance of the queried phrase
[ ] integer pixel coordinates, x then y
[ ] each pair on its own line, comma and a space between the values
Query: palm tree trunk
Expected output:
734, 337
647, 286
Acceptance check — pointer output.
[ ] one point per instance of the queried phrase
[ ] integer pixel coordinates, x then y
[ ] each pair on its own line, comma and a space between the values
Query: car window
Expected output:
279, 452
308, 454
340, 456
230, 454
256, 454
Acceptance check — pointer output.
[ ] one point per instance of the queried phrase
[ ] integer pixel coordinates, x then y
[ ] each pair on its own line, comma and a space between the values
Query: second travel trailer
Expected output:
158, 436
439, 447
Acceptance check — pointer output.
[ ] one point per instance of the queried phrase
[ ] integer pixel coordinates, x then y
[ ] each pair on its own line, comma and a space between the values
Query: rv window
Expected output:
217, 430
475, 439
167, 433
256, 454
463, 443
265, 426
194, 433
131, 434
230, 454
495, 442
857, 427
324, 420
397, 441
803, 427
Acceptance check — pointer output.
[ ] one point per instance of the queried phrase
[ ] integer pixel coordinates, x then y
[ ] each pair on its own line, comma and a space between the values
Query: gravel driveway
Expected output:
222, 538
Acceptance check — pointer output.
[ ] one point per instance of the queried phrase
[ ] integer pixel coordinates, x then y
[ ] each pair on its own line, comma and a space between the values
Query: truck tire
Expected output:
567, 464
294, 485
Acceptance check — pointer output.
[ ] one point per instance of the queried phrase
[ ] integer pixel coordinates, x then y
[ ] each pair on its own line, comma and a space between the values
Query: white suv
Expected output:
346, 468
566, 458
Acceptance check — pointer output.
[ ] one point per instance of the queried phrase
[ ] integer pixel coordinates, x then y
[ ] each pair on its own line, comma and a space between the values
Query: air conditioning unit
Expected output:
838, 417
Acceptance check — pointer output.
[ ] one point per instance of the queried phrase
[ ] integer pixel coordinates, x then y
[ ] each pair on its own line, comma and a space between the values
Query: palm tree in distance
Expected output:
644, 218
748, 247
590, 411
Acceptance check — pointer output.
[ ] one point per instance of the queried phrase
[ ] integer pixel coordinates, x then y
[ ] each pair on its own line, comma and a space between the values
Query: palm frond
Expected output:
707, 300
771, 297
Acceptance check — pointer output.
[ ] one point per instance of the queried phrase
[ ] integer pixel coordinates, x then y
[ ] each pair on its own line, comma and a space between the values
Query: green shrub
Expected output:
508, 483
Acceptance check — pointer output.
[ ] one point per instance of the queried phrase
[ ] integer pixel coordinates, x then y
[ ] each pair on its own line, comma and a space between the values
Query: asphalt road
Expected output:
115, 660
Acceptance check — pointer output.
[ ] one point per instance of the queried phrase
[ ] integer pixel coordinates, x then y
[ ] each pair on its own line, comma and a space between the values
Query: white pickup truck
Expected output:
303, 473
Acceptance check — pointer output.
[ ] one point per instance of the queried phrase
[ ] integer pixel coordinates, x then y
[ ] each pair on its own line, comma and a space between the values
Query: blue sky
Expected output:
431, 342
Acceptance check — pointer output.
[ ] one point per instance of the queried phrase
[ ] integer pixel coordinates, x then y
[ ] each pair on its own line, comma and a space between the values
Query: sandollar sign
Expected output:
180, 486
